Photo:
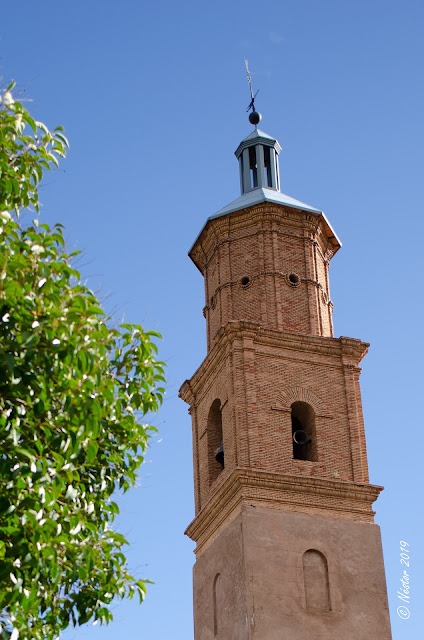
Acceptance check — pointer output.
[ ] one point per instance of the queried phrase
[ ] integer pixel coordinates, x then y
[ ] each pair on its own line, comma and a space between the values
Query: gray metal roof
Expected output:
256, 196
263, 195
257, 136
257, 133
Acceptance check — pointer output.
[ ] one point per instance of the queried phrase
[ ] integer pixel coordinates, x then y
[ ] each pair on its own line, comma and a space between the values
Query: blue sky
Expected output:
153, 99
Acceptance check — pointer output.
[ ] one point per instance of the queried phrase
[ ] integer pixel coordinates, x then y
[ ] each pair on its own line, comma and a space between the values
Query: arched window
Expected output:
315, 577
217, 597
215, 441
303, 432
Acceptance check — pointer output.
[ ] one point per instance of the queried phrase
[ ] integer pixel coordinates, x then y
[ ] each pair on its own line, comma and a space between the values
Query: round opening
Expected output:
294, 278
245, 281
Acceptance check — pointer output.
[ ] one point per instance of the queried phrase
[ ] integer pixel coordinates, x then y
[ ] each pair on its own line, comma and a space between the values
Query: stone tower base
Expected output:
282, 575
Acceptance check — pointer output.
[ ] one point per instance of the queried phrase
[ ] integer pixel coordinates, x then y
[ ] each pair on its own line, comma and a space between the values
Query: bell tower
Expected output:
286, 544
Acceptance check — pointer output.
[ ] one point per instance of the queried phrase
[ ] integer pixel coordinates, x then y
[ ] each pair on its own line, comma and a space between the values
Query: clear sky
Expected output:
153, 97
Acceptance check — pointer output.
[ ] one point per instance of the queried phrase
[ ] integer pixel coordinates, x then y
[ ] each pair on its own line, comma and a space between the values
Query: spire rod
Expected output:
255, 117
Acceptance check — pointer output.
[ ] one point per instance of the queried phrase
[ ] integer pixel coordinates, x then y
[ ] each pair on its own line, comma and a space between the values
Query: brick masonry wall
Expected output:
247, 258
270, 344
257, 374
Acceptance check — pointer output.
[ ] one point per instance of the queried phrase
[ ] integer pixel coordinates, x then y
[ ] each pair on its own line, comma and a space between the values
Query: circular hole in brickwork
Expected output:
245, 281
294, 279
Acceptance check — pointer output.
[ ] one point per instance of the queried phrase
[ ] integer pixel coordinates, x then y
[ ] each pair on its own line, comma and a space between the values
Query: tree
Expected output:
73, 392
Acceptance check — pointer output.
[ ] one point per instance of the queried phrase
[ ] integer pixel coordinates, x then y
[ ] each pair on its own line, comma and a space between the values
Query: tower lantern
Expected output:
258, 160
286, 544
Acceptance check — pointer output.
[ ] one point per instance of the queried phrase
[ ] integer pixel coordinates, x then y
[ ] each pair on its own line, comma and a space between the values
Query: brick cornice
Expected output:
285, 492
265, 216
235, 334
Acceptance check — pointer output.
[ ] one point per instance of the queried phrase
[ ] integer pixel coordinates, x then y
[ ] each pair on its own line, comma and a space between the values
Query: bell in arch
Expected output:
219, 456
300, 437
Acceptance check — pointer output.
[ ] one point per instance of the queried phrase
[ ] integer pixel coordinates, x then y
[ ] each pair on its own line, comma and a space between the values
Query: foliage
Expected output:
73, 389
24, 155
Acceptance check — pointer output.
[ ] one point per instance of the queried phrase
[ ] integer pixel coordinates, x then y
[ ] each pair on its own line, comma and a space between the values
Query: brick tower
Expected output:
286, 544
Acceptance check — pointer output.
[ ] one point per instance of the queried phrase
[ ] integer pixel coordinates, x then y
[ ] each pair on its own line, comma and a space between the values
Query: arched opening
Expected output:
215, 441
216, 603
269, 162
253, 168
315, 577
303, 432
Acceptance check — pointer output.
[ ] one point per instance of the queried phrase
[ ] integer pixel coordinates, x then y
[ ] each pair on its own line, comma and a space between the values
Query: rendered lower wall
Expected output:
227, 616
268, 591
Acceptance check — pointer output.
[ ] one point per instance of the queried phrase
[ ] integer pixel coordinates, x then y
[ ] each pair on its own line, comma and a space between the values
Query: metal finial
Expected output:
254, 117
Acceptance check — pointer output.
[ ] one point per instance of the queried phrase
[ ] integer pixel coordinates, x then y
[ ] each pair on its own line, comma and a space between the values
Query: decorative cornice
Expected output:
186, 392
351, 348
262, 217
340, 351
285, 492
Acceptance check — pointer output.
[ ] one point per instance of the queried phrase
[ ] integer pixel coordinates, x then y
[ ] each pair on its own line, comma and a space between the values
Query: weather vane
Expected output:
255, 117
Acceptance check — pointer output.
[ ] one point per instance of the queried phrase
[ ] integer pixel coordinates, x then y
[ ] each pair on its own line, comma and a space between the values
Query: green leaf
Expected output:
10, 362
92, 449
